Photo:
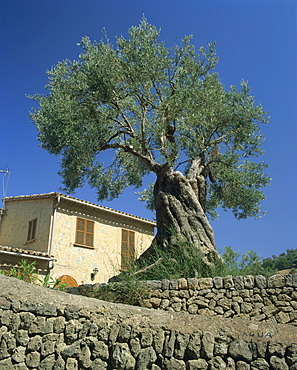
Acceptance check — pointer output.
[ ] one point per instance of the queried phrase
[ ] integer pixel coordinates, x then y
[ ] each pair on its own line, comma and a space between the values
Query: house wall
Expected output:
15, 222
79, 262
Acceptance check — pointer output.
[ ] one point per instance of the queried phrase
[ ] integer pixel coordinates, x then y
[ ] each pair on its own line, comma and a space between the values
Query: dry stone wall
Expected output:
45, 329
248, 297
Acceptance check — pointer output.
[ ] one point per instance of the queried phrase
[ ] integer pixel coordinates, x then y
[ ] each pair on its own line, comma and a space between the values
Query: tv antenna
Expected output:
5, 179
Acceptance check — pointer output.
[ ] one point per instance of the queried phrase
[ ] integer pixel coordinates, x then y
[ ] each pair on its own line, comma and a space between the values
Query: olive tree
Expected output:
158, 110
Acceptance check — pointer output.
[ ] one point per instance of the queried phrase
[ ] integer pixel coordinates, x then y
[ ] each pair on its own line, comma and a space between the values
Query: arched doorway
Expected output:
68, 280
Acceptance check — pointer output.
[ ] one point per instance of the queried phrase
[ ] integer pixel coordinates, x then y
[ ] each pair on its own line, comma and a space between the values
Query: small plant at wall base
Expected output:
25, 271
49, 282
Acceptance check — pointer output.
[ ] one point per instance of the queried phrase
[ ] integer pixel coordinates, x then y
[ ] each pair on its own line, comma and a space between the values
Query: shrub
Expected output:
129, 292
25, 271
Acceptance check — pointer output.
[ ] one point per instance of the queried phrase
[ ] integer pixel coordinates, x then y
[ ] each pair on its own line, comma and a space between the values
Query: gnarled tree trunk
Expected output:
179, 204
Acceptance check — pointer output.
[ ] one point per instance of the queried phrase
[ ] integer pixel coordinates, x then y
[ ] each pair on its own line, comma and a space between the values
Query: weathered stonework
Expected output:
273, 299
51, 330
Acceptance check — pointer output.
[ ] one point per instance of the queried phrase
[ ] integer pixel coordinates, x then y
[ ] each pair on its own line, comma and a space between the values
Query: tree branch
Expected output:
147, 268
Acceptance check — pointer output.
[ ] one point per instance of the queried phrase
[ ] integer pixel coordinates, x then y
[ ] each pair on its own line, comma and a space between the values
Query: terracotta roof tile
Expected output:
87, 203
6, 248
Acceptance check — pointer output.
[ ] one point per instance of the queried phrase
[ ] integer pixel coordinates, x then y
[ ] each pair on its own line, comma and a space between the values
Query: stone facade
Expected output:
50, 330
55, 234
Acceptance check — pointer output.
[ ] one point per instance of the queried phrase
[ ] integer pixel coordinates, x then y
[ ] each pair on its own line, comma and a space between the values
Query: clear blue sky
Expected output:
256, 42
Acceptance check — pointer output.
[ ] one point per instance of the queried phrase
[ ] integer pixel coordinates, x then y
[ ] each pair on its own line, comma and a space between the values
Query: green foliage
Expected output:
25, 271
49, 282
185, 260
129, 291
285, 260
250, 263
154, 108
180, 260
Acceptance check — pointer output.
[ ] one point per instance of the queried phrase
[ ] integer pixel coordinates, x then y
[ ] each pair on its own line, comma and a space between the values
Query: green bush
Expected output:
250, 263
25, 271
129, 292
184, 260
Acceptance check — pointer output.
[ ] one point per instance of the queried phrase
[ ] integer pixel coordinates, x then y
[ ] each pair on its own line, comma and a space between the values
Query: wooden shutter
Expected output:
127, 249
84, 232
32, 230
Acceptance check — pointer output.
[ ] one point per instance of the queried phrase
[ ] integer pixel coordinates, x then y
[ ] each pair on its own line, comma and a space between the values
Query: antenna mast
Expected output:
5, 180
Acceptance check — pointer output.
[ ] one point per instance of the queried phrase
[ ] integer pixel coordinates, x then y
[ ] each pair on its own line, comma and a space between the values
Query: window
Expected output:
32, 230
128, 249
84, 232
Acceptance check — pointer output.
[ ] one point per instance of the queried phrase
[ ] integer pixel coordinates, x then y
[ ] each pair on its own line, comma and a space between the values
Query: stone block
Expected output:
121, 358
46, 310
294, 280
164, 304
71, 312
270, 310
228, 282
278, 363
182, 283
28, 307
218, 282
134, 346
260, 364
158, 341
260, 281
220, 349
239, 350
33, 359
173, 284
217, 363
282, 317
177, 306
193, 283
172, 364
71, 364
276, 349
200, 364
246, 307
207, 345
194, 346
276, 281
155, 302
181, 344
164, 284
19, 354
6, 364
205, 283
241, 365
146, 358
22, 337
193, 308
249, 281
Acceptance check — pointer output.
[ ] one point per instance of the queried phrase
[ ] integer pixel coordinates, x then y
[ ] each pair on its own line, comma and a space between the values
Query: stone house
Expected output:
69, 237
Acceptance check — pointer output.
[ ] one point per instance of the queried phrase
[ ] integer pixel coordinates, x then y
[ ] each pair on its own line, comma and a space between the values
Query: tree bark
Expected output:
180, 206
